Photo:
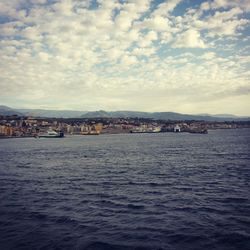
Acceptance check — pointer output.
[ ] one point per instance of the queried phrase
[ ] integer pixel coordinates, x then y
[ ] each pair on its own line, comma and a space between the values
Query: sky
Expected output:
187, 56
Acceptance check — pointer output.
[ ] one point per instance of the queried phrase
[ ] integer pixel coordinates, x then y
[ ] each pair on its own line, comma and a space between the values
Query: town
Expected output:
17, 126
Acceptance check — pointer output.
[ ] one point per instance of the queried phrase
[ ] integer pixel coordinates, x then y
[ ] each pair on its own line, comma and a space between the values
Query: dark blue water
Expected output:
132, 191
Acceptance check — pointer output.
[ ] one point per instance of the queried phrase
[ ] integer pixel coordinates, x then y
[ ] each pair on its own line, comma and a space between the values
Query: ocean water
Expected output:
129, 191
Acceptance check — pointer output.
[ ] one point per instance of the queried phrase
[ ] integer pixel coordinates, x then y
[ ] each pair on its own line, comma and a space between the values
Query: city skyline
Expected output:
184, 56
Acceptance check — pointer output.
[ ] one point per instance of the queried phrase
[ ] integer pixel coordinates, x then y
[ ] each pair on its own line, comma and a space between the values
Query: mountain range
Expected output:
4, 110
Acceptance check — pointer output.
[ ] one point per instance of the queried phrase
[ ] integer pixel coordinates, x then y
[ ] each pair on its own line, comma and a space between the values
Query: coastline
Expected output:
104, 133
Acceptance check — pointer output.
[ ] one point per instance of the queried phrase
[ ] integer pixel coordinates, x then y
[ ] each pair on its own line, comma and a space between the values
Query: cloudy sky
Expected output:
189, 56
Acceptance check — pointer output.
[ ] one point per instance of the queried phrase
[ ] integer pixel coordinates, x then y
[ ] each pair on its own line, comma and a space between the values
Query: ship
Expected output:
198, 131
146, 130
90, 133
51, 134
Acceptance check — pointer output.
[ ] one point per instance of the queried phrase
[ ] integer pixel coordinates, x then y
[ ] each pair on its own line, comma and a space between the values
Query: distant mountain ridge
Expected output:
223, 115
159, 116
52, 113
4, 110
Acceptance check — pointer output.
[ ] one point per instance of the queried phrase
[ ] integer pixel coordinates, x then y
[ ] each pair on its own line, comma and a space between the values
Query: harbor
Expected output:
14, 126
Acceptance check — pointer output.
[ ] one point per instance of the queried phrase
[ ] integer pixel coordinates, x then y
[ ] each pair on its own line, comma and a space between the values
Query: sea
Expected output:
173, 191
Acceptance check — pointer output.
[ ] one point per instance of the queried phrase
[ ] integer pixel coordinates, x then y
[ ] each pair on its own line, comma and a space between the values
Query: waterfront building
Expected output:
177, 128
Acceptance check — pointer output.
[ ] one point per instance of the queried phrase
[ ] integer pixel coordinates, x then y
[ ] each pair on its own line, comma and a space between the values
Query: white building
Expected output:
177, 129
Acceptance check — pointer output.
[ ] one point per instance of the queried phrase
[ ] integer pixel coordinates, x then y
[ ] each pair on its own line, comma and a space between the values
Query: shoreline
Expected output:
67, 135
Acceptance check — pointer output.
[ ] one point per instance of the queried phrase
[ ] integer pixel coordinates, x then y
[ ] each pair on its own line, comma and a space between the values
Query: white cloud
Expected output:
123, 53
44, 56
166, 37
129, 13
128, 60
205, 6
38, 1
166, 7
220, 23
143, 51
189, 39
208, 55
243, 4
157, 23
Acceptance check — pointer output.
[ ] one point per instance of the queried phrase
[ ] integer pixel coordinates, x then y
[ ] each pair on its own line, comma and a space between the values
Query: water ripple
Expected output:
150, 192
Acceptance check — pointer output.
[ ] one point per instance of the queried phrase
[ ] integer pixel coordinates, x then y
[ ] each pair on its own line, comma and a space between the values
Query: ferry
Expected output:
198, 131
51, 134
146, 130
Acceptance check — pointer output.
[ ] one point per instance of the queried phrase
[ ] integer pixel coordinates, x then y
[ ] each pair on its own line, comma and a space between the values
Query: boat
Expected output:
198, 131
146, 130
51, 134
90, 133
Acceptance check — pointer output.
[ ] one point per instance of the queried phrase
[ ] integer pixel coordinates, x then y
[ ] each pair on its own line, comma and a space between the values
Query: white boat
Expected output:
146, 130
51, 134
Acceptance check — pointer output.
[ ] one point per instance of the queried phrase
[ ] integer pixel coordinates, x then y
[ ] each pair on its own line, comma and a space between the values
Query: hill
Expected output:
159, 116
4, 110
51, 113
